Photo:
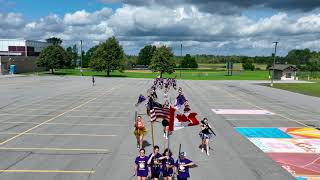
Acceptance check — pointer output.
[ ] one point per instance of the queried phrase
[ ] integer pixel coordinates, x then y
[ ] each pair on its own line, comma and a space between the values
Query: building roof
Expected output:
283, 67
23, 40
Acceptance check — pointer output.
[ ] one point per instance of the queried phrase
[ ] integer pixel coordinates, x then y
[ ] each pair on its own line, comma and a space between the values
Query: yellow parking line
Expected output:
51, 119
24, 115
89, 135
46, 171
53, 149
67, 124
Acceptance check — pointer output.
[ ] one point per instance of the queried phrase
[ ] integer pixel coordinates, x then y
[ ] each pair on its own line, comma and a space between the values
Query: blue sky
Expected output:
35, 9
223, 27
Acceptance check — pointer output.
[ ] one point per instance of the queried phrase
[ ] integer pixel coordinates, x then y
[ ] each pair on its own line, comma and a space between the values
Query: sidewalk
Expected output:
11, 76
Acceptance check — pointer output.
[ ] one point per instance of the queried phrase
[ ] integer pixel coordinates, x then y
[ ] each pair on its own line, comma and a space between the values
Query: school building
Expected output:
21, 53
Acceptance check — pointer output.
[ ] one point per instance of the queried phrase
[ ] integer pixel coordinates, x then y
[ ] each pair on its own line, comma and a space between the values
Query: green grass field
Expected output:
236, 66
185, 74
312, 89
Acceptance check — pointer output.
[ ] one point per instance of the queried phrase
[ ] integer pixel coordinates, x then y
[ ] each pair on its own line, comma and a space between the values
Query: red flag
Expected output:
180, 120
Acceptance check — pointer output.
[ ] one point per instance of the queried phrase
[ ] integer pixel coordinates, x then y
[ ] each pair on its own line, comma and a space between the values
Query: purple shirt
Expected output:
167, 171
142, 166
183, 172
155, 168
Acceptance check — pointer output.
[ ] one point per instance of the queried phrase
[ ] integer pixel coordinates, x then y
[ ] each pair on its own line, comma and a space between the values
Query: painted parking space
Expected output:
243, 111
297, 150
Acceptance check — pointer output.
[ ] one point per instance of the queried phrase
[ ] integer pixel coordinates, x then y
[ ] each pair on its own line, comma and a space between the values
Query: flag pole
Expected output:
152, 133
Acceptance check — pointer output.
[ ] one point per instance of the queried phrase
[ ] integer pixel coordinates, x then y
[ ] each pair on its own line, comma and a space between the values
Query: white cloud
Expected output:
11, 20
84, 18
199, 32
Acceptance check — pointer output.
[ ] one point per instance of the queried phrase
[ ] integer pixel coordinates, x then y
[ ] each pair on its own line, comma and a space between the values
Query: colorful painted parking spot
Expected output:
263, 133
299, 165
295, 149
242, 111
302, 132
291, 145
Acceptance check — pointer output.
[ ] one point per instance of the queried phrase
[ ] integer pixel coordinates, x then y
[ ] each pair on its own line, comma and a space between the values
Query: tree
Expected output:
248, 66
73, 53
162, 61
69, 52
54, 41
298, 56
189, 62
52, 57
145, 55
108, 56
87, 56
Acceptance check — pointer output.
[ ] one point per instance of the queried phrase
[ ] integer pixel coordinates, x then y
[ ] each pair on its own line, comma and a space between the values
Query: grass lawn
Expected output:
312, 89
236, 66
185, 74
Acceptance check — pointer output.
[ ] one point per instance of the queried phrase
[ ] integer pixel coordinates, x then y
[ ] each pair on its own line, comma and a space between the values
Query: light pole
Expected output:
81, 58
181, 60
274, 61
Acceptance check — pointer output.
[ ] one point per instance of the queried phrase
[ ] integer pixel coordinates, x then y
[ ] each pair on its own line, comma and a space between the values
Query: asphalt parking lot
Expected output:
63, 128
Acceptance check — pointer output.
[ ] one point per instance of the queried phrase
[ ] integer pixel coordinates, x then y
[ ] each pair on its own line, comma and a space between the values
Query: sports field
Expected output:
60, 127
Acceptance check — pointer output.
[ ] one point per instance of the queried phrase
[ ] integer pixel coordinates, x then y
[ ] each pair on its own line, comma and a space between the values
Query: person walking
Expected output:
93, 81
205, 135
141, 166
140, 131
155, 163
182, 167
167, 164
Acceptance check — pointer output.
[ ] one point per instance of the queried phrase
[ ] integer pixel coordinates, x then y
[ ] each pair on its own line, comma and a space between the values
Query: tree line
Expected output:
109, 56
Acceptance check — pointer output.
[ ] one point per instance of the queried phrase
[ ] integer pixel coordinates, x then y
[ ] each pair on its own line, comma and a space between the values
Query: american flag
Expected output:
157, 112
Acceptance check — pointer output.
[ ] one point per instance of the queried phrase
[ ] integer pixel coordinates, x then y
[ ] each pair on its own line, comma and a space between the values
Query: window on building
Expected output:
288, 75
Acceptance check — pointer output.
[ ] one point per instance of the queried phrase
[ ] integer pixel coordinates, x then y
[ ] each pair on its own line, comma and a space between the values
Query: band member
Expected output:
186, 110
141, 166
167, 164
182, 167
166, 96
155, 163
165, 125
205, 135
140, 131
154, 94
180, 100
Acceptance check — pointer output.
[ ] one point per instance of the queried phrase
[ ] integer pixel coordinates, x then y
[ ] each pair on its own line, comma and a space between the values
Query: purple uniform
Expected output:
155, 168
183, 172
142, 166
167, 171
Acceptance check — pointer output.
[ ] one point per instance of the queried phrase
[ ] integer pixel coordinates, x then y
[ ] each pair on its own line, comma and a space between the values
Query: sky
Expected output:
218, 27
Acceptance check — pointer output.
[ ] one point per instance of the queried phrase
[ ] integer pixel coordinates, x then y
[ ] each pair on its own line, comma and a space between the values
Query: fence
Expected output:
307, 75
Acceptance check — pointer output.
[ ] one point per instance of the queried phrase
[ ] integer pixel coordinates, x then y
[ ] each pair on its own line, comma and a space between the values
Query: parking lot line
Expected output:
51, 119
46, 171
53, 149
276, 114
45, 134
66, 124
29, 115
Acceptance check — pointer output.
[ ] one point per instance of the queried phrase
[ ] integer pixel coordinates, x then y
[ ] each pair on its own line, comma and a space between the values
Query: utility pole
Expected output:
181, 60
81, 58
274, 61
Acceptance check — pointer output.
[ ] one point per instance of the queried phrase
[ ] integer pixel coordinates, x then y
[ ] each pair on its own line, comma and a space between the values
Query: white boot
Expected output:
208, 149
202, 149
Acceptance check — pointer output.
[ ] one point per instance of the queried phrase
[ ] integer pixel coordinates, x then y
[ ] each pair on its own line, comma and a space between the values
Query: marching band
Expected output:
156, 164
